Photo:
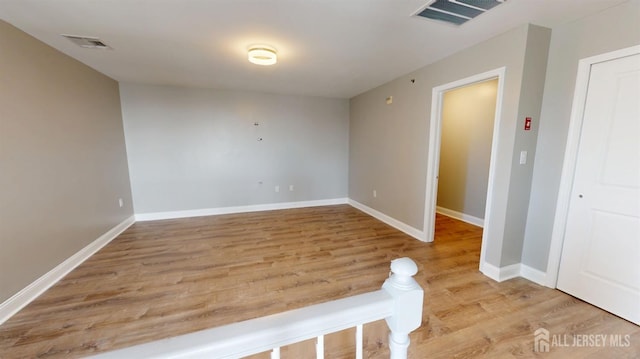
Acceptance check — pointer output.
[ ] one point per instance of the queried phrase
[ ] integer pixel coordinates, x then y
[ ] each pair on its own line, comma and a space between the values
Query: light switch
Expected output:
523, 157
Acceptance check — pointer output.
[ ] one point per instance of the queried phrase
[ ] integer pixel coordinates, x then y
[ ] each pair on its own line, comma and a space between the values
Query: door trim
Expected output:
571, 156
433, 161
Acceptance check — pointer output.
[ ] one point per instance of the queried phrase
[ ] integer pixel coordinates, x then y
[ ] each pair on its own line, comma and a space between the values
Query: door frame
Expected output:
433, 161
571, 157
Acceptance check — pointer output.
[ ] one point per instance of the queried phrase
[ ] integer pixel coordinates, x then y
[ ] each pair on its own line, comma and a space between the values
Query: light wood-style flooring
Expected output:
166, 278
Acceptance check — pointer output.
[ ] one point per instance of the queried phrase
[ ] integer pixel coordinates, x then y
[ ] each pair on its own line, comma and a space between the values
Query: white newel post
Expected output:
407, 307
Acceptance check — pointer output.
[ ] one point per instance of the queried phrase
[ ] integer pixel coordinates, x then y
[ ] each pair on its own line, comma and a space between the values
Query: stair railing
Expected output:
399, 302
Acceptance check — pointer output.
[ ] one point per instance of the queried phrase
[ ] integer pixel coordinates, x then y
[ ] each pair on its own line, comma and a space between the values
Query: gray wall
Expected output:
531, 91
196, 148
610, 30
388, 143
63, 163
468, 115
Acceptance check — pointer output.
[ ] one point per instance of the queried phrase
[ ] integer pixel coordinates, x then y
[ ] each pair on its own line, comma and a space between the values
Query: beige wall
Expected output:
388, 143
613, 29
197, 149
468, 115
62, 158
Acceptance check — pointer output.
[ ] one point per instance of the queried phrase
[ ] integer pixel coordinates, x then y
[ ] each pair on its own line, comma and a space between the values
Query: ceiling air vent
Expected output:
456, 11
87, 42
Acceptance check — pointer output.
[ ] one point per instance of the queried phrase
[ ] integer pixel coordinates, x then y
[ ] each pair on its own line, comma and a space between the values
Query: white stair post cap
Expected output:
404, 267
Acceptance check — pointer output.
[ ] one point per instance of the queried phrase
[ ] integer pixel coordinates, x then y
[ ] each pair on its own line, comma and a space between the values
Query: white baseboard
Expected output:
509, 272
490, 271
19, 300
500, 274
534, 275
284, 205
460, 216
237, 209
413, 232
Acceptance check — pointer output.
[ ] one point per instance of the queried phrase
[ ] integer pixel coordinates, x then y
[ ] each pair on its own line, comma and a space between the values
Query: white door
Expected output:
600, 260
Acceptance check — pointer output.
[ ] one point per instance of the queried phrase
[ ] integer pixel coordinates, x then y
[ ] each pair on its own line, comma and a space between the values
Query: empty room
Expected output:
320, 179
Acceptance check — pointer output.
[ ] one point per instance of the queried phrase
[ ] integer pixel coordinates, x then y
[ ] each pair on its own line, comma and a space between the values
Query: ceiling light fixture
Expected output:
263, 55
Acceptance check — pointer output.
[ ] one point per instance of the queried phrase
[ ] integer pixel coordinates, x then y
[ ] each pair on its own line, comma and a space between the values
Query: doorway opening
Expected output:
468, 114
435, 139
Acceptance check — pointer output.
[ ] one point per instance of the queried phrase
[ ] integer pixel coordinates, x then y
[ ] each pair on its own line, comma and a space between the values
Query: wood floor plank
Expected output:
164, 278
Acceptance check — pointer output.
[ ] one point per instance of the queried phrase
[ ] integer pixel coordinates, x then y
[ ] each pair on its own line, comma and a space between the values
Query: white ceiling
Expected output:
332, 48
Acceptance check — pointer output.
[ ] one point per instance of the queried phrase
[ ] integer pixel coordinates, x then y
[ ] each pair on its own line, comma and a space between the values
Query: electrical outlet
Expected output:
277, 189
291, 187
375, 193
120, 202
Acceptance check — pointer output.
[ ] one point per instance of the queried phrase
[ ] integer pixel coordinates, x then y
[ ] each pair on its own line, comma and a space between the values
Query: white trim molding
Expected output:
571, 156
500, 274
154, 216
401, 226
19, 300
433, 157
532, 274
460, 216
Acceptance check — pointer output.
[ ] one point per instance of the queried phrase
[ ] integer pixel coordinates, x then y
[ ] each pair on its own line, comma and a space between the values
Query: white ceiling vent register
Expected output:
87, 42
456, 12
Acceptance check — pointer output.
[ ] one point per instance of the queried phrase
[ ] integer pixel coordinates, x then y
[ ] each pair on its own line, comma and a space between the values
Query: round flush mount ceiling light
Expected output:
262, 55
